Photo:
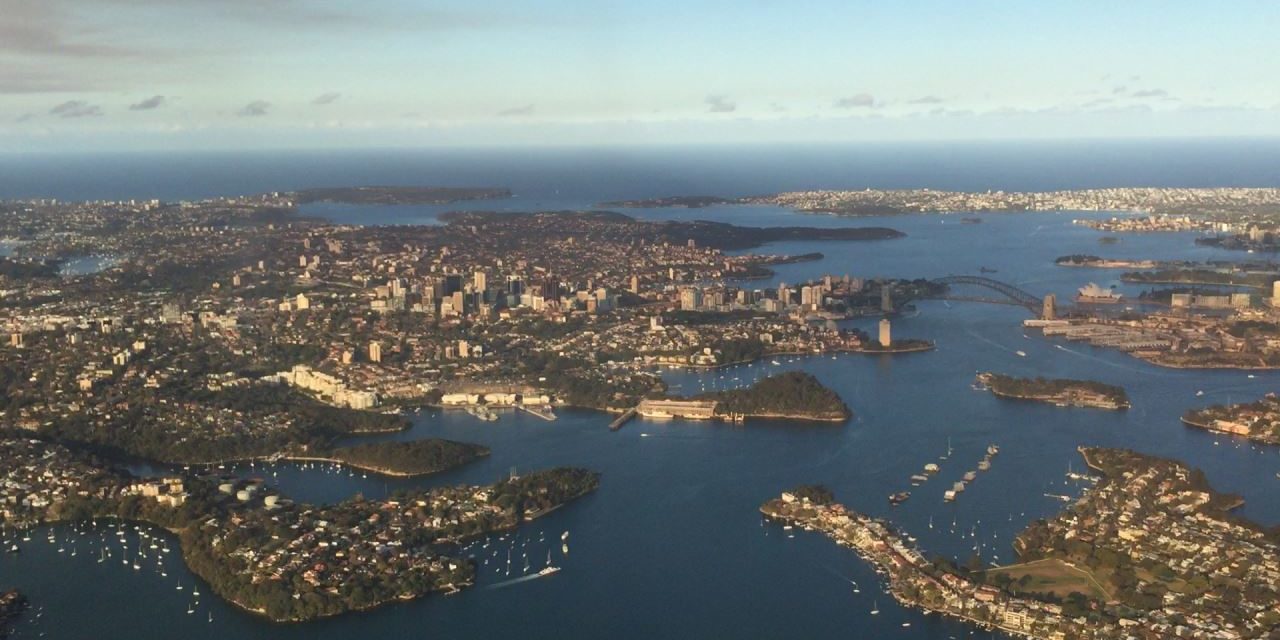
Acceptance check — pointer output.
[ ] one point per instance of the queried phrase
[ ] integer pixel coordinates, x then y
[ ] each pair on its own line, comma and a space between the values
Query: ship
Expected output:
1094, 294
899, 498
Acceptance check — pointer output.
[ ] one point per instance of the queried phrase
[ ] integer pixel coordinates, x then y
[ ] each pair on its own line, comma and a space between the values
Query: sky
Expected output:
277, 74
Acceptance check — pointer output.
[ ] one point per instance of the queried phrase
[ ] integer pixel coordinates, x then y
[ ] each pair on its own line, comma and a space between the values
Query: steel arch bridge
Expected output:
1011, 294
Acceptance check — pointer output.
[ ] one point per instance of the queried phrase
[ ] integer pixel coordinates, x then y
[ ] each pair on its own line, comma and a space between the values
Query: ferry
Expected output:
899, 498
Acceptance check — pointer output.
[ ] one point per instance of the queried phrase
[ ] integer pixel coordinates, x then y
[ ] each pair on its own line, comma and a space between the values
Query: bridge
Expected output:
1009, 294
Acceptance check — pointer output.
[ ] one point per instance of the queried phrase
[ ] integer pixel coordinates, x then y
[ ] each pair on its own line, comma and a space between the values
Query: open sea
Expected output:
672, 545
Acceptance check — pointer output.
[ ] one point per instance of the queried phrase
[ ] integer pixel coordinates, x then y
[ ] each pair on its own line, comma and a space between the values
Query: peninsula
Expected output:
1149, 551
12, 604
285, 561
413, 458
1058, 392
1167, 204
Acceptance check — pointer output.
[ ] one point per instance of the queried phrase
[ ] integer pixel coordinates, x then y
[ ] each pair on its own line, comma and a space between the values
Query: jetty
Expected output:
541, 411
623, 419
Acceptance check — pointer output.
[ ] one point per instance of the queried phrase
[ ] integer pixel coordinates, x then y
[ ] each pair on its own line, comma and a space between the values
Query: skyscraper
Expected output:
886, 337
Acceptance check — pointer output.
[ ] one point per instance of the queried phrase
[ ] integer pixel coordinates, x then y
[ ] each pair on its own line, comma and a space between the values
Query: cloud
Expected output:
720, 104
75, 109
27, 81
43, 28
925, 100
25, 117
517, 111
255, 108
326, 98
1150, 93
857, 101
154, 102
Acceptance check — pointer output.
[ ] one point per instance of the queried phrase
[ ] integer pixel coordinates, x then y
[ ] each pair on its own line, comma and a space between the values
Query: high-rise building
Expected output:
886, 298
515, 286
635, 283
481, 281
301, 302
375, 352
690, 299
452, 284
886, 337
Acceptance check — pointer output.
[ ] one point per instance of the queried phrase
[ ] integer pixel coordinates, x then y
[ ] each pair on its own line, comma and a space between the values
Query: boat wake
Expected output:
975, 335
1106, 362
515, 581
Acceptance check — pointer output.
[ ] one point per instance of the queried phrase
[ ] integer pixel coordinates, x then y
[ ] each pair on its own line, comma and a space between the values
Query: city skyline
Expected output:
141, 74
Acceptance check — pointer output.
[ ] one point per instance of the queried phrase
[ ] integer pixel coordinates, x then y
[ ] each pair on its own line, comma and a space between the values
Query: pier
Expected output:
622, 419
543, 412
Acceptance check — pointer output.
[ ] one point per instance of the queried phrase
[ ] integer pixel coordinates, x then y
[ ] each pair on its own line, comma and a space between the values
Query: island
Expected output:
1058, 392
285, 561
1095, 262
1258, 421
394, 195
12, 604
1150, 551
791, 396
897, 345
794, 395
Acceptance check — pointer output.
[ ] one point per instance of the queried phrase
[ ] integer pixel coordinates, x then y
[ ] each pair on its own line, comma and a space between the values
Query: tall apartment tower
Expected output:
886, 337
375, 352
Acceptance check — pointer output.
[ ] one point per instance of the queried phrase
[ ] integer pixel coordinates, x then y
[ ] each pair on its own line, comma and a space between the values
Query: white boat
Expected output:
1021, 353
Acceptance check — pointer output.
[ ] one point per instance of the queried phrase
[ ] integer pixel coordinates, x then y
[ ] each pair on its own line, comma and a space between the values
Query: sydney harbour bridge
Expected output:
996, 292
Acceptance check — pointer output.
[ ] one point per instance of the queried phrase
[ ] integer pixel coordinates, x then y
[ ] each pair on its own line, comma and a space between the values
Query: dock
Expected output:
622, 419
543, 412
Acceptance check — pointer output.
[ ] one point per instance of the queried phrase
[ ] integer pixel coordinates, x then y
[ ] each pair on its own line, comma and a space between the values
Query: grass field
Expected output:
1054, 576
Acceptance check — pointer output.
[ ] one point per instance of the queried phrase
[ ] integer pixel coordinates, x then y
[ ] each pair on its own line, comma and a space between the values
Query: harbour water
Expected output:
672, 545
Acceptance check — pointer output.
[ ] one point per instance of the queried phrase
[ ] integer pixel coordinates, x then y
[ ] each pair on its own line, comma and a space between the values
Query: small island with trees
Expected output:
1258, 421
794, 395
1058, 392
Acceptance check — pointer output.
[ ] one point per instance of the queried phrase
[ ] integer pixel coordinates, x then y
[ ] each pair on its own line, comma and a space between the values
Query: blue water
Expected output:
672, 545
